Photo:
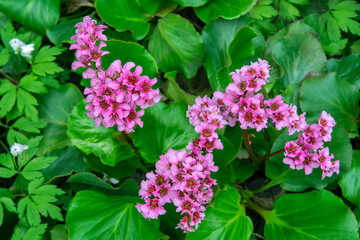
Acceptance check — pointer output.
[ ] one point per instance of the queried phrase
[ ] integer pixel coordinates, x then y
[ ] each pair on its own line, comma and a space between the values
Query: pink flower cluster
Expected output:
116, 92
182, 177
308, 151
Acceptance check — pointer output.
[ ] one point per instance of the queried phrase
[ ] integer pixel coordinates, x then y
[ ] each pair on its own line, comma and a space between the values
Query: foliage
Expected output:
78, 181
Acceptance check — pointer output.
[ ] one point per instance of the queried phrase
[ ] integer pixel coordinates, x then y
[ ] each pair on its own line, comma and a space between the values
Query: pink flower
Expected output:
151, 209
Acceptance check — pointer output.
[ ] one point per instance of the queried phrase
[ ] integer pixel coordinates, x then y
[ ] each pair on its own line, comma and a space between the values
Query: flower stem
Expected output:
271, 154
265, 187
248, 147
250, 204
129, 141
12, 80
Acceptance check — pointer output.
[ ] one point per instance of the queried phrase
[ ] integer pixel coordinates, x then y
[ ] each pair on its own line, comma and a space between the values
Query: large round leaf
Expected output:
192, 3
217, 36
68, 160
240, 48
94, 215
97, 140
229, 9
55, 107
225, 220
298, 53
63, 31
347, 68
129, 52
350, 181
296, 180
37, 15
123, 15
311, 216
177, 46
165, 126
333, 95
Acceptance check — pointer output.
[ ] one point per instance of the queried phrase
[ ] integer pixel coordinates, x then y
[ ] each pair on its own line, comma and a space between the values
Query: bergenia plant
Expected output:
180, 119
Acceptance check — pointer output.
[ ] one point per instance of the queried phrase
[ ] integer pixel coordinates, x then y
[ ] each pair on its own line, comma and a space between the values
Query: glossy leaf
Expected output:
331, 94
165, 127
316, 215
108, 217
298, 54
37, 15
121, 170
174, 92
217, 36
97, 140
89, 181
347, 68
350, 181
55, 107
191, 3
129, 52
296, 180
123, 15
225, 220
176, 46
68, 160
63, 31
230, 9
240, 49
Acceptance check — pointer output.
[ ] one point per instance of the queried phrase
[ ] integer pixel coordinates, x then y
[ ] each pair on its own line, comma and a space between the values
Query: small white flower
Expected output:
27, 50
16, 44
17, 148
113, 180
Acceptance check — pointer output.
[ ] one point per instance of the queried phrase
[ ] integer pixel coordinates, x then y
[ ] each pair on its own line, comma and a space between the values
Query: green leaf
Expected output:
121, 170
33, 233
37, 15
343, 12
129, 52
217, 36
97, 140
108, 217
26, 102
298, 54
287, 11
27, 125
42, 69
230, 9
347, 68
225, 220
8, 90
296, 180
350, 181
263, 9
4, 56
89, 181
240, 49
40, 201
60, 232
182, 48
355, 48
55, 107
31, 170
191, 3
47, 54
9, 169
174, 92
165, 126
232, 140
149, 6
123, 15
333, 95
63, 31
30, 84
314, 214
50, 81
68, 160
